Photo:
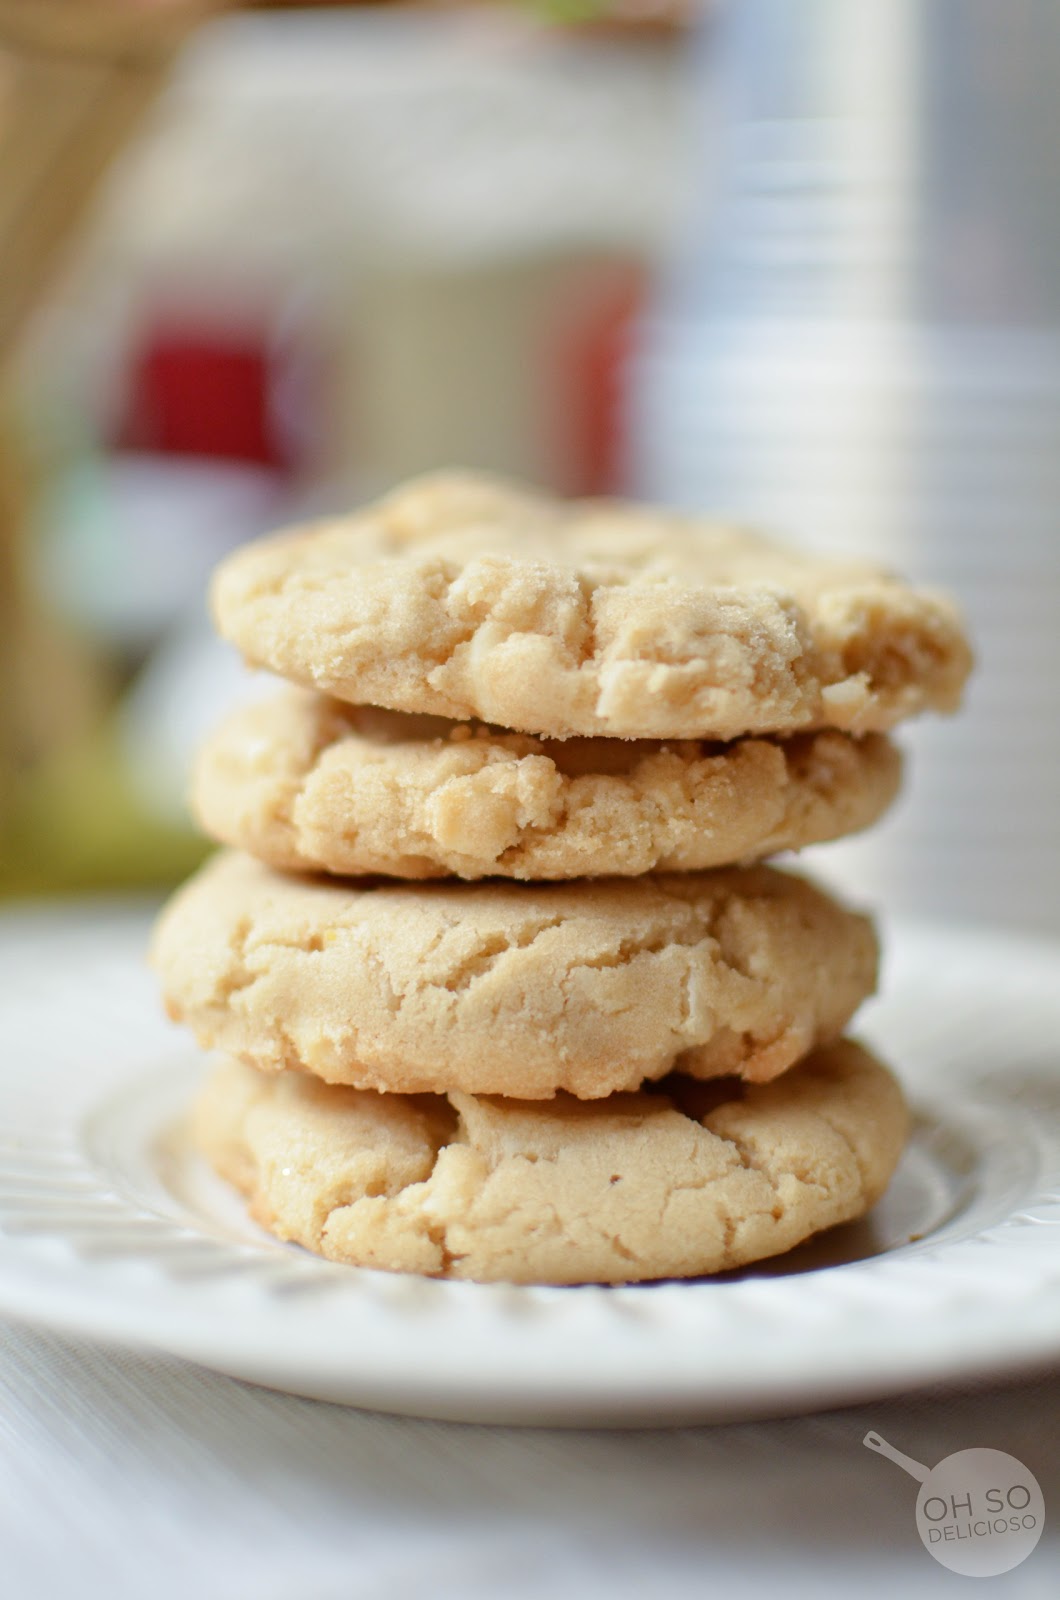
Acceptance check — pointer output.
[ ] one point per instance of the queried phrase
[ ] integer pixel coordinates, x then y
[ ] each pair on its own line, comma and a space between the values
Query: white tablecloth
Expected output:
124, 1475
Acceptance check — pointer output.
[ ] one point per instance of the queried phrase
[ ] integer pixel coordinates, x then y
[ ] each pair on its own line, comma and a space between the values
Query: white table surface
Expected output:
124, 1475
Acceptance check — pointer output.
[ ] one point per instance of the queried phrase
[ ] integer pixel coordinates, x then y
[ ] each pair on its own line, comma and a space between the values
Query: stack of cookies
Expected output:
501, 991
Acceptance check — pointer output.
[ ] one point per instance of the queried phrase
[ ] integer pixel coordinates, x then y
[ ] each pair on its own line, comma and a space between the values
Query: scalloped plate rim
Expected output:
519, 1355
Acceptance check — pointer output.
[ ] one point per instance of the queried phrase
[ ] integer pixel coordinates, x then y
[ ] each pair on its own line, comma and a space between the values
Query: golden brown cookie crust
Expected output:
506, 988
636, 1187
310, 784
467, 598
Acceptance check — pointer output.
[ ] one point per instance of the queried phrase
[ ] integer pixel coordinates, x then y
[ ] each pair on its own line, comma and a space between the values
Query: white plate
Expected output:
109, 1226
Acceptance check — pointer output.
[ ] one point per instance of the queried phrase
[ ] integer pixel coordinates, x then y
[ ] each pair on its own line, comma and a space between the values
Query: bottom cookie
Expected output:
675, 1182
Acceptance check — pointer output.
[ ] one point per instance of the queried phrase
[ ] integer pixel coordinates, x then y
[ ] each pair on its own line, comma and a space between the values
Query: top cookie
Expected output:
468, 598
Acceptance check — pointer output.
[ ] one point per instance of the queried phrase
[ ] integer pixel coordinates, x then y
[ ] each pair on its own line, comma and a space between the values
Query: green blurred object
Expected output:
74, 824
567, 12
77, 80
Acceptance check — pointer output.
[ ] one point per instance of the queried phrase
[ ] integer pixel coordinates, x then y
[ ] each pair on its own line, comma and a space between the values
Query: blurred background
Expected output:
794, 261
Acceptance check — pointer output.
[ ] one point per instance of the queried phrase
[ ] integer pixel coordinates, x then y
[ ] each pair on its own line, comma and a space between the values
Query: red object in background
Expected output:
197, 390
588, 378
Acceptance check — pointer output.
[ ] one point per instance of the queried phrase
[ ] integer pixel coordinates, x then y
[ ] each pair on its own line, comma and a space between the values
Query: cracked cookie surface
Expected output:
681, 1181
510, 988
472, 599
307, 783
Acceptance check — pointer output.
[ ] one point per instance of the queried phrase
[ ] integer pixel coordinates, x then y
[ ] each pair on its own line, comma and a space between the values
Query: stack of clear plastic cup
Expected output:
859, 346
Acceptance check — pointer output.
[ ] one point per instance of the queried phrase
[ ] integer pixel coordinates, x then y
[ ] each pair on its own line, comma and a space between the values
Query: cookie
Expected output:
510, 988
309, 784
674, 1183
469, 599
